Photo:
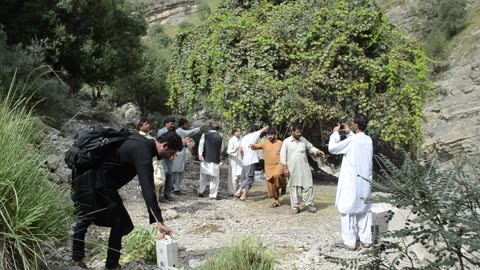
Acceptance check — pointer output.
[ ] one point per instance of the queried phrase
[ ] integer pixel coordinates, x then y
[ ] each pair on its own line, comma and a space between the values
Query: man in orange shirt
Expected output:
273, 167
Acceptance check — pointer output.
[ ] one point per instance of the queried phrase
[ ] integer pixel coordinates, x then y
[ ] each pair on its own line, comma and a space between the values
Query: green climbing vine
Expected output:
312, 61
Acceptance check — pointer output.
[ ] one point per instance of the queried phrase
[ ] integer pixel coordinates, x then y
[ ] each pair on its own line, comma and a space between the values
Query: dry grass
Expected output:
469, 37
207, 229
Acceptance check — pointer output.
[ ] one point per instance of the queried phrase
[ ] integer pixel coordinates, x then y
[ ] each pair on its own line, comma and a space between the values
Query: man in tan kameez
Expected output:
273, 167
293, 156
143, 128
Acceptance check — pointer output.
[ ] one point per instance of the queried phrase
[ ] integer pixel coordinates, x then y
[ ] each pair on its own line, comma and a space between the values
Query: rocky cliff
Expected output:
170, 11
452, 117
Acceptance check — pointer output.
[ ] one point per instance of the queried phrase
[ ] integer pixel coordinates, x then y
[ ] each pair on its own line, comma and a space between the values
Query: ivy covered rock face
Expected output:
318, 62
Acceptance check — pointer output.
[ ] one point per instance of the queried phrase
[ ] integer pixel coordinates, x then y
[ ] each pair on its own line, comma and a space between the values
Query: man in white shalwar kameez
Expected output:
178, 165
249, 161
354, 183
235, 161
293, 156
209, 149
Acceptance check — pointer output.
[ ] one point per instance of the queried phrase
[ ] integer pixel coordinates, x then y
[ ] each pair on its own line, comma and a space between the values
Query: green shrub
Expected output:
140, 244
34, 212
203, 10
446, 16
435, 44
244, 254
34, 78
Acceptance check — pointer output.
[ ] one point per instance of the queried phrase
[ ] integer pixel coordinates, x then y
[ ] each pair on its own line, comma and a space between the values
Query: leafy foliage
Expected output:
440, 20
316, 62
444, 206
244, 254
34, 212
33, 78
446, 16
203, 10
92, 40
147, 86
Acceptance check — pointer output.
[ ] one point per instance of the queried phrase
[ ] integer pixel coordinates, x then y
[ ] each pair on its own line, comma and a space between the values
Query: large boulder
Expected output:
127, 114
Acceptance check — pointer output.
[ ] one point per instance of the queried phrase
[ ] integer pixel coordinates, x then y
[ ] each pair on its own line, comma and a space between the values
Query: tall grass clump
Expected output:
244, 254
33, 211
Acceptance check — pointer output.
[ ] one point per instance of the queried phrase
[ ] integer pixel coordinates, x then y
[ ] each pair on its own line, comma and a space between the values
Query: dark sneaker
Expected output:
169, 198
116, 268
201, 195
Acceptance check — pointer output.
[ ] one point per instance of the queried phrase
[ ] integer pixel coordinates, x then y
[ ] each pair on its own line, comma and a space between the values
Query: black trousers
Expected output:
168, 189
104, 207
114, 242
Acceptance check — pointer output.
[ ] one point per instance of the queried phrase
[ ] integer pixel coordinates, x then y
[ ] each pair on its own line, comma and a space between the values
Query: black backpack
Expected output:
90, 145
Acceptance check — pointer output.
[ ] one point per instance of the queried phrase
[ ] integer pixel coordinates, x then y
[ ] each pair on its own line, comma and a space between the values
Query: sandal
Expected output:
243, 197
366, 245
273, 205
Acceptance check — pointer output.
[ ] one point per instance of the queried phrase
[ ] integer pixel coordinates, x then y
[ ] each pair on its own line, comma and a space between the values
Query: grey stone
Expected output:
170, 214
52, 162
195, 263
314, 251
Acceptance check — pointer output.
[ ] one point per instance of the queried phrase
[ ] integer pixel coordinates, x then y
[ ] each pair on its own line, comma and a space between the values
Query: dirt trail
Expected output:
202, 226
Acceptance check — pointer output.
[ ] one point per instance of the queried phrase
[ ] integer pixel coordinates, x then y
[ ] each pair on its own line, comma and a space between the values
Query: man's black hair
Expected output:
235, 129
139, 123
216, 127
297, 126
361, 121
271, 131
182, 122
253, 128
174, 142
168, 120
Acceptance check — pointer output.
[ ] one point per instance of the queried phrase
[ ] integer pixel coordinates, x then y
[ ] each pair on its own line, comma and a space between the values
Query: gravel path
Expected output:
202, 226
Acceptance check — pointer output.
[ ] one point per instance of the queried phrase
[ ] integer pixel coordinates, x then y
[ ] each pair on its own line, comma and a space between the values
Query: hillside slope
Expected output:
453, 118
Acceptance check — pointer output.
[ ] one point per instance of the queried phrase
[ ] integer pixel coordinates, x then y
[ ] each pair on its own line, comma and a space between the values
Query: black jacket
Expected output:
95, 192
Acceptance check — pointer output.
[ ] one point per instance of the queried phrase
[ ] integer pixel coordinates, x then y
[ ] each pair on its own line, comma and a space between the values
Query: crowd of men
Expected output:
160, 165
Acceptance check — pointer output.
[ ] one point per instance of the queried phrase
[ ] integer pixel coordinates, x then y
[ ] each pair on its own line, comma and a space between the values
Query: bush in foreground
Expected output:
444, 219
33, 211
244, 254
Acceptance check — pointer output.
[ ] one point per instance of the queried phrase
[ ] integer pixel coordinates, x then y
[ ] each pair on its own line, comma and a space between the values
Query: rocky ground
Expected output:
202, 226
